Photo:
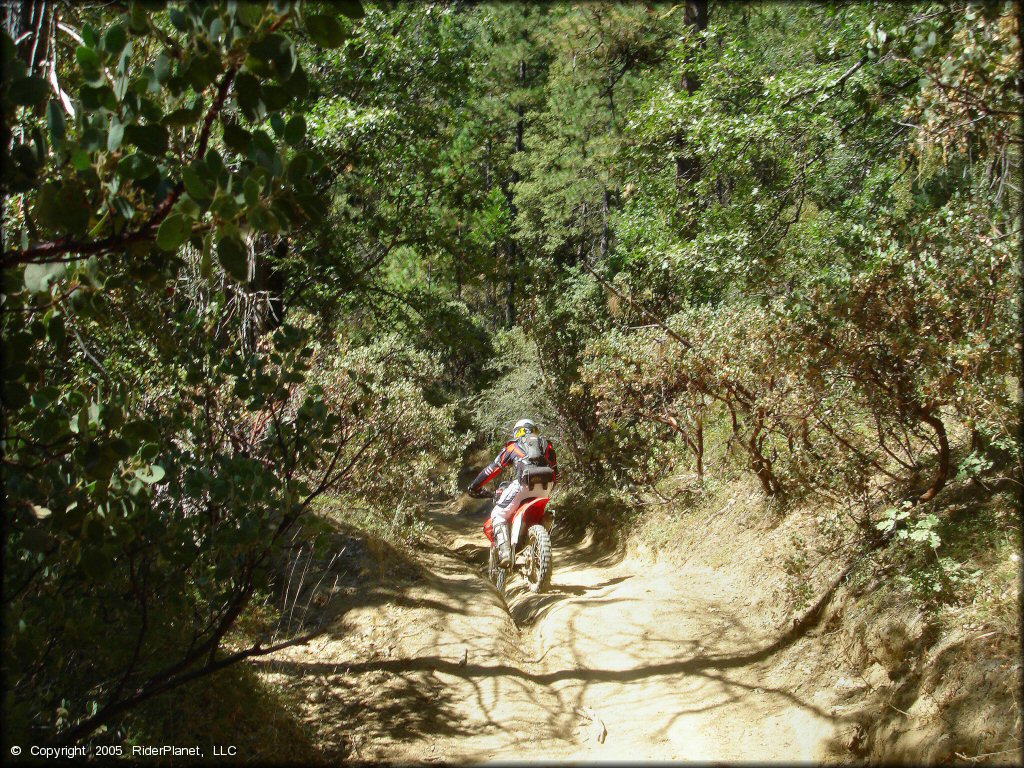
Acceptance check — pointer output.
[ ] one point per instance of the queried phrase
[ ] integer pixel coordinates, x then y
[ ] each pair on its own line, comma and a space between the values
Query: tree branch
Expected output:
58, 250
837, 84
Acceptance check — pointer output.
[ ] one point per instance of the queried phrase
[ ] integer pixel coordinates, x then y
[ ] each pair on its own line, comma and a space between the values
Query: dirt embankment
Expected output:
900, 680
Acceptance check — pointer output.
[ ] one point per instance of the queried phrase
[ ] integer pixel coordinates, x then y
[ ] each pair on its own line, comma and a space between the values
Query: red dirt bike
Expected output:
531, 553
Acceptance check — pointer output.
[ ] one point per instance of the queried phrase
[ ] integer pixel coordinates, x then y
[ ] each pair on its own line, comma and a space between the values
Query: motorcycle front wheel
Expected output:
538, 569
495, 573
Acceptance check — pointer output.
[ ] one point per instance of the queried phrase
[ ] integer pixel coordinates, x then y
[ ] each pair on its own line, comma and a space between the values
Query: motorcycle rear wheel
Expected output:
538, 569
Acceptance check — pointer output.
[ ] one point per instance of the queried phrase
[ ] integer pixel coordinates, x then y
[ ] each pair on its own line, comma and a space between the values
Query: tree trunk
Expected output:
698, 442
487, 166
687, 164
761, 464
604, 227
942, 473
32, 21
695, 15
458, 266
513, 252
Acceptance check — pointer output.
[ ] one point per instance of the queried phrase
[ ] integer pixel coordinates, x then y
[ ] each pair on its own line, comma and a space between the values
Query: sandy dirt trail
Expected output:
438, 667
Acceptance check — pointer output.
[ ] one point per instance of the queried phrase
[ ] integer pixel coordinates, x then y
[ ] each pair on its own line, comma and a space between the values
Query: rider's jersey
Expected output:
513, 452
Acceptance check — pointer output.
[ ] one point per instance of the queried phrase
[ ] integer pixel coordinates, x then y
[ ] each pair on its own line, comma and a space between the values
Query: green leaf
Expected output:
89, 36
233, 256
88, 60
180, 117
55, 122
251, 188
162, 68
115, 135
224, 206
194, 184
261, 140
26, 157
249, 14
276, 97
43, 397
216, 29
214, 161
237, 138
312, 205
248, 95
268, 48
139, 21
298, 167
173, 232
203, 70
27, 91
63, 207
154, 473
15, 395
264, 220
55, 330
277, 123
96, 564
276, 49
178, 19
205, 262
136, 166
115, 39
325, 30
351, 8
295, 130
152, 139
140, 430
298, 83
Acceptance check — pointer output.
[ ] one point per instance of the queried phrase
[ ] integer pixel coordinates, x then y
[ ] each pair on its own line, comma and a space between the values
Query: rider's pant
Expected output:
514, 495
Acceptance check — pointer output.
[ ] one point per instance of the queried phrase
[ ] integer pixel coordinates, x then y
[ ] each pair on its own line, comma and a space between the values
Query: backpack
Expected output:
533, 467
534, 446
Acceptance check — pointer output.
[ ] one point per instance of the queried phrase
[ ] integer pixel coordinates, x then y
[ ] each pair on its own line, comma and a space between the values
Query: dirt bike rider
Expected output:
526, 448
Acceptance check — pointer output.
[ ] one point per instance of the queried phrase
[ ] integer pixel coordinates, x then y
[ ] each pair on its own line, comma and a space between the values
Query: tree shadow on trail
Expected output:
579, 589
527, 608
711, 667
407, 706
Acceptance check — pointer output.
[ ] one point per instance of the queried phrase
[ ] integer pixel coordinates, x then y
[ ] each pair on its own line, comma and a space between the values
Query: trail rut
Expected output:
440, 668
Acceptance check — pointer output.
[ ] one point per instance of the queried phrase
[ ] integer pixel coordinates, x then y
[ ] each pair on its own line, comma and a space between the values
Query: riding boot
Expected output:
502, 544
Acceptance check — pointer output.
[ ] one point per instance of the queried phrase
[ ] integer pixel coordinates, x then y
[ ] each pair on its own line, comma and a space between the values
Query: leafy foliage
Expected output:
155, 453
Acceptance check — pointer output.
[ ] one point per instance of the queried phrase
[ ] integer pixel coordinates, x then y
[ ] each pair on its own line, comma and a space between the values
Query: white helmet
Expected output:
523, 427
